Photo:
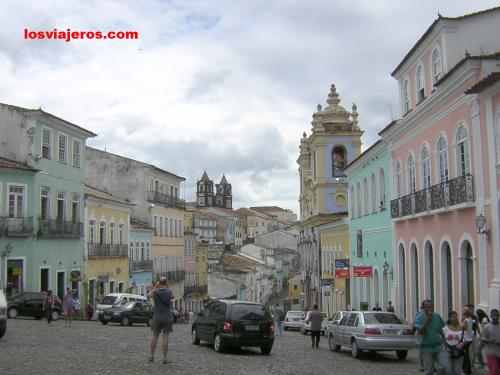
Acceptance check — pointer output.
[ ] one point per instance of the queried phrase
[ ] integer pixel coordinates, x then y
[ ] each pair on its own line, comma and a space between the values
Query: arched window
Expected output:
398, 178
443, 159
463, 165
420, 84
429, 270
411, 175
374, 193
365, 197
415, 279
406, 96
381, 181
339, 161
437, 65
446, 278
402, 282
467, 271
102, 233
426, 168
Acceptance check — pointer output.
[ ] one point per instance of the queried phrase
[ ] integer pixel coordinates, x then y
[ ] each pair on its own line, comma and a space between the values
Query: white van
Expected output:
3, 313
116, 299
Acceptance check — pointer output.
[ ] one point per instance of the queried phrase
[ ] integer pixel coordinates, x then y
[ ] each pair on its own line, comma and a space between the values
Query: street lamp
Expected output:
4, 254
482, 225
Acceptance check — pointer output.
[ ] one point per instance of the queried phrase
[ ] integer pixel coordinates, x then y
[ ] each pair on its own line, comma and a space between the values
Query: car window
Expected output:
244, 311
381, 318
218, 310
352, 320
344, 320
109, 300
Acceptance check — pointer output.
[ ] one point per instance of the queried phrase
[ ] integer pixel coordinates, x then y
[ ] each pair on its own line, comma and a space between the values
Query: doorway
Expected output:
44, 279
60, 284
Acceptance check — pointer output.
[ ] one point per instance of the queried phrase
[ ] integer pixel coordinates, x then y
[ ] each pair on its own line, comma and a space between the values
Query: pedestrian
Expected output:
469, 333
279, 317
483, 320
429, 326
48, 305
419, 337
454, 342
377, 307
390, 307
68, 305
314, 317
162, 317
90, 311
491, 339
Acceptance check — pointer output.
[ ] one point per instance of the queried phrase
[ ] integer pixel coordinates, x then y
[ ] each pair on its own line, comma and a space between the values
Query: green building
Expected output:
370, 228
42, 171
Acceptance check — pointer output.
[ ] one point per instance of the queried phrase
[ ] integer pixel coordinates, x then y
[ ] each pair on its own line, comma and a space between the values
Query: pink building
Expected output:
446, 165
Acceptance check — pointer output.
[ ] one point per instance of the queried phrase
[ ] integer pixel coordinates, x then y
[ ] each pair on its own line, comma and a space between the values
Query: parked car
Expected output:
3, 314
305, 328
31, 304
293, 320
117, 299
126, 315
336, 319
372, 331
231, 323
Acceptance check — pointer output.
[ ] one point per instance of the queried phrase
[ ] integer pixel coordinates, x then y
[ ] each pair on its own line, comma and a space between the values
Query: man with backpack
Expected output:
279, 317
162, 316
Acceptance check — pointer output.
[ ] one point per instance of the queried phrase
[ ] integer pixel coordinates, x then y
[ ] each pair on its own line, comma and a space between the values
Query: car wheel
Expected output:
12, 313
402, 354
55, 315
125, 321
104, 322
195, 340
218, 344
266, 349
355, 352
331, 343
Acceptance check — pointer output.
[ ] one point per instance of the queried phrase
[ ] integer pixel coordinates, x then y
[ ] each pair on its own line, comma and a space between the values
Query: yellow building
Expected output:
201, 276
295, 289
334, 142
107, 227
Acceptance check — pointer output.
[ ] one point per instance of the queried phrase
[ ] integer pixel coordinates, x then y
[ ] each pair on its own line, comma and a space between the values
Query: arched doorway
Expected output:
467, 270
385, 288
446, 277
376, 286
415, 281
369, 292
429, 271
402, 281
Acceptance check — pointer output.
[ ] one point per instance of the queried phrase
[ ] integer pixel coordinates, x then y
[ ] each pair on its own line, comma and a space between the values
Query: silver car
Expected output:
372, 331
293, 320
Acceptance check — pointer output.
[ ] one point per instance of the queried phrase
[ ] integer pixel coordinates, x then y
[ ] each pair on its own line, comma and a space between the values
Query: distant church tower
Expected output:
207, 197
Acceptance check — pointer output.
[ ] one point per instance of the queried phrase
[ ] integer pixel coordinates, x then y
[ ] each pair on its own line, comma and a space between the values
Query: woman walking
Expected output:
468, 328
483, 321
454, 343
68, 304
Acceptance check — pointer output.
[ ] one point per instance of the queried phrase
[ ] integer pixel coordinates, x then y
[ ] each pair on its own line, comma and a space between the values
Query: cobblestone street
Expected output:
33, 347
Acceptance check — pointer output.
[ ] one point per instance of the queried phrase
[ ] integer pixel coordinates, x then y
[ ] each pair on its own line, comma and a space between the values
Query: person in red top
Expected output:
48, 305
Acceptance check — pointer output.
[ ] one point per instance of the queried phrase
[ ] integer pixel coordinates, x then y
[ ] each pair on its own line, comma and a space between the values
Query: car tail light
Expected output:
271, 327
228, 327
407, 332
372, 331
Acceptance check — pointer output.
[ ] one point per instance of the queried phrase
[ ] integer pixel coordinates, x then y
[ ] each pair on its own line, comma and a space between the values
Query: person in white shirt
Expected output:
453, 334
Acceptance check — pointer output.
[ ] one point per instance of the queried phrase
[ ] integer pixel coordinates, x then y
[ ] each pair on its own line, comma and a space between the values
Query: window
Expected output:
406, 97
137, 246
44, 203
382, 188
352, 199
398, 179
176, 193
63, 145
365, 197
157, 189
171, 191
16, 201
338, 161
112, 233
120, 234
437, 67
161, 226
92, 231
443, 159
142, 251
46, 144
148, 251
374, 193
462, 152
358, 200
102, 233
411, 175
76, 154
60, 207
420, 84
75, 209
171, 227
155, 224
426, 168
131, 251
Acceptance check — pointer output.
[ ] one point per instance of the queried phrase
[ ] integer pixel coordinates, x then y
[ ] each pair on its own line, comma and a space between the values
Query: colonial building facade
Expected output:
335, 140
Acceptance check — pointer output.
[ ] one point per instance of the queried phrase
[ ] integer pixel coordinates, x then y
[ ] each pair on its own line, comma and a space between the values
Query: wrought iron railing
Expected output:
165, 199
16, 226
107, 250
141, 265
173, 275
60, 229
446, 194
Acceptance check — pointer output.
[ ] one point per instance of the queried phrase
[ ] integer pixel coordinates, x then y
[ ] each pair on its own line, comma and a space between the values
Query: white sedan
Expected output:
293, 320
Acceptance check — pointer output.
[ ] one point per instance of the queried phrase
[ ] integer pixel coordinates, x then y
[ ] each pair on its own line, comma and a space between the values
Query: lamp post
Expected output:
4, 254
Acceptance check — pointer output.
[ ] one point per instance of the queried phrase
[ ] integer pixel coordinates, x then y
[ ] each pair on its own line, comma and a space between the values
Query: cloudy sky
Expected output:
226, 86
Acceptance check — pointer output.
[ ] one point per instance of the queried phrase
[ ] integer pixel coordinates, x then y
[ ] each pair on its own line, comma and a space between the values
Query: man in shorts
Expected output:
162, 316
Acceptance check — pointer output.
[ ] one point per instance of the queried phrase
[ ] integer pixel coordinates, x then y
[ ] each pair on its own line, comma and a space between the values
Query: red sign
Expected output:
342, 273
362, 271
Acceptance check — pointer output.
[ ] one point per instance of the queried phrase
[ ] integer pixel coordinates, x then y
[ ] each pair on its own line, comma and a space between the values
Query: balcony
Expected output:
445, 195
173, 276
141, 266
16, 226
60, 229
107, 251
165, 199
195, 289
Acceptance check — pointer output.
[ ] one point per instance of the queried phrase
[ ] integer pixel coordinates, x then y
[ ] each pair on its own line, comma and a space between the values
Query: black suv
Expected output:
229, 323
131, 312
30, 304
